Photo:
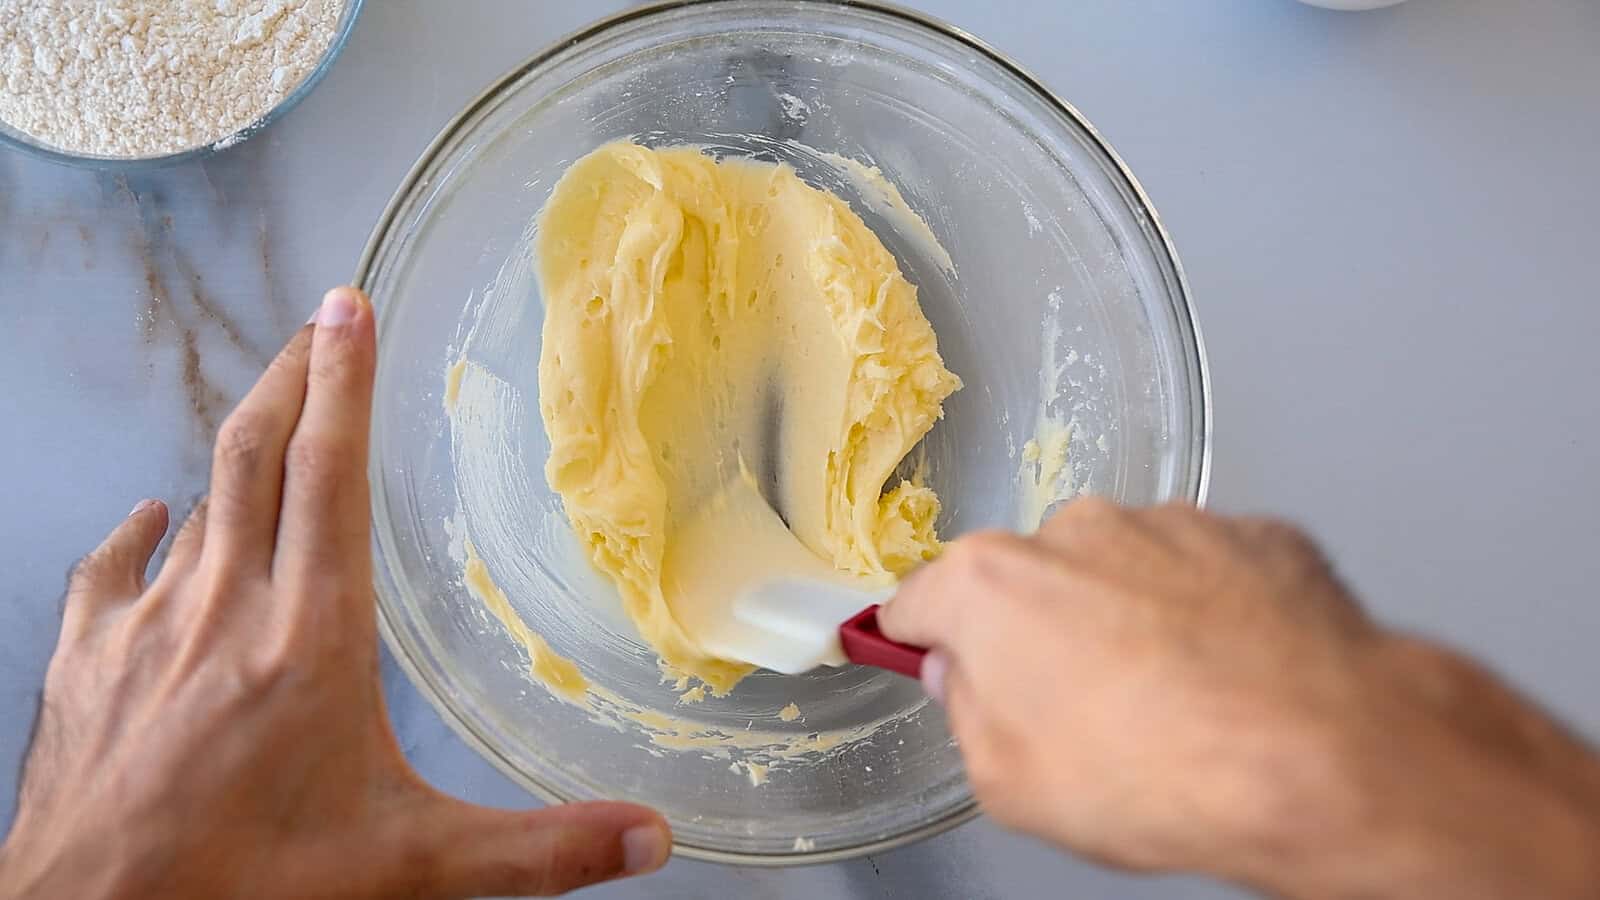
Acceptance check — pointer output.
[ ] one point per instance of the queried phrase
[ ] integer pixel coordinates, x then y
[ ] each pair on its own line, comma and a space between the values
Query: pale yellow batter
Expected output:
732, 370
544, 664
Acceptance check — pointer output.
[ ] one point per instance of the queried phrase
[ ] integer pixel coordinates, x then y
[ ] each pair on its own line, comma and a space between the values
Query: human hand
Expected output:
221, 733
1161, 689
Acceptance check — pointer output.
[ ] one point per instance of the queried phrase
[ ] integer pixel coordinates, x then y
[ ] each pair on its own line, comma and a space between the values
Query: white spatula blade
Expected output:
791, 625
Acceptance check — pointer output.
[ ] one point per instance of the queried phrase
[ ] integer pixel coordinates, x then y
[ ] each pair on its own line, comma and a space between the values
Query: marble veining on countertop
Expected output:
183, 257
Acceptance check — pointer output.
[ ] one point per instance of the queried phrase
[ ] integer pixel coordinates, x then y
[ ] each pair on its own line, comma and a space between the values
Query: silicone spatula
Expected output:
792, 625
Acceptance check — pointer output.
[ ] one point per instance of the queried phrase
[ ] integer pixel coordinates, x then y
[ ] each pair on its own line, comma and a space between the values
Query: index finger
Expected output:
324, 523
247, 463
936, 605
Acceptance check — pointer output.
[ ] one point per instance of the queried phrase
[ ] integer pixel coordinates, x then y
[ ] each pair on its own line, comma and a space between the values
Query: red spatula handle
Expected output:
865, 644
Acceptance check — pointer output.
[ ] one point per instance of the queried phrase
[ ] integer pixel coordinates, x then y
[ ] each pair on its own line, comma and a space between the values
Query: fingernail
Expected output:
934, 668
644, 849
338, 307
141, 506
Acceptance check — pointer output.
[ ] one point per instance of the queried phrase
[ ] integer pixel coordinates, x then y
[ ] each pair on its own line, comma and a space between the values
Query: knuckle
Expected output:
194, 525
99, 569
975, 551
1091, 507
1179, 510
1286, 537
268, 670
549, 872
318, 459
241, 442
1291, 536
148, 617
85, 573
1268, 528
1436, 670
421, 866
242, 435
988, 558
1410, 651
292, 356
966, 557
990, 779
539, 872
191, 530
335, 369
1083, 517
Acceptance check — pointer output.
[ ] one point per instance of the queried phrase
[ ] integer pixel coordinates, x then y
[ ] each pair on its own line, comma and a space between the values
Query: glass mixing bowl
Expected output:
1062, 278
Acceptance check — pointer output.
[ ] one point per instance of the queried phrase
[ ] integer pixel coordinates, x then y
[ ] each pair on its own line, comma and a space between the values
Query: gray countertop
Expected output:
1387, 218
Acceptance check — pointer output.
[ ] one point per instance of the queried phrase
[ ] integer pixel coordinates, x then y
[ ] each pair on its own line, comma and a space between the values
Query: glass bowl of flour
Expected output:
1056, 298
154, 82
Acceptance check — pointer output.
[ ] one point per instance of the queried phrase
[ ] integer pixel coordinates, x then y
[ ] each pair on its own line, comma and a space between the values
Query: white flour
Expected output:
135, 78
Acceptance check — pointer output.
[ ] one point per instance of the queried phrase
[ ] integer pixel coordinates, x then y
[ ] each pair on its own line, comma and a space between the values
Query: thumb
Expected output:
476, 851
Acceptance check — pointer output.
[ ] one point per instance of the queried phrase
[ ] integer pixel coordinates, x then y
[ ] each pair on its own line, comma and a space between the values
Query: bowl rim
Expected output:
15, 139
1199, 475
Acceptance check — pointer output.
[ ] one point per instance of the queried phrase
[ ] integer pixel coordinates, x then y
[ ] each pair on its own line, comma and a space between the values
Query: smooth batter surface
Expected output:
733, 369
